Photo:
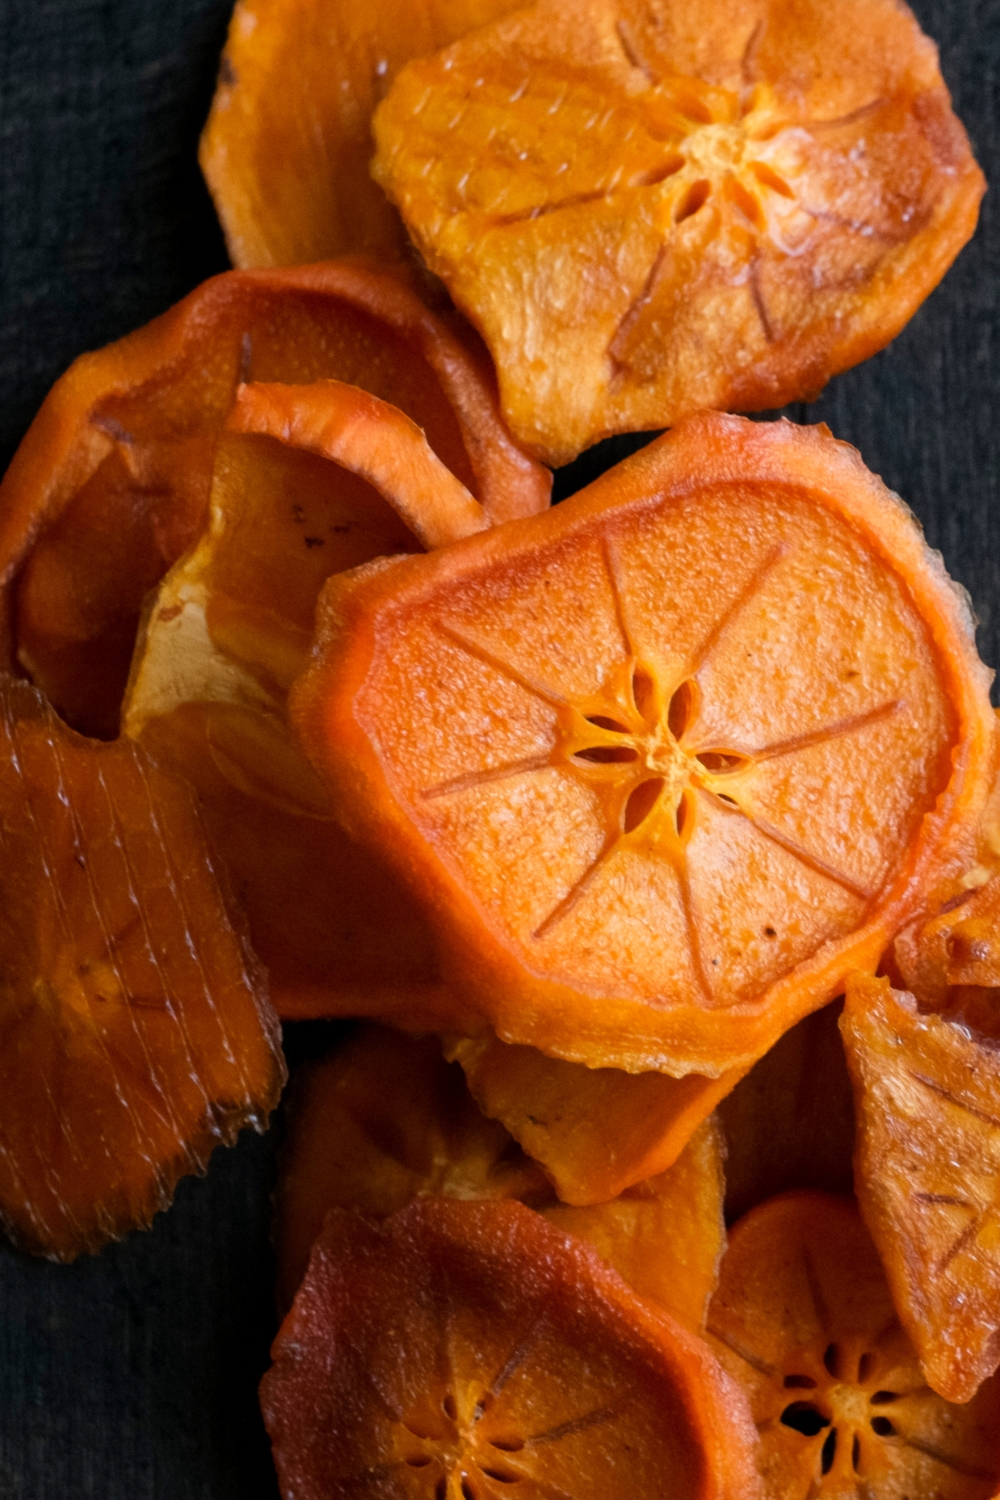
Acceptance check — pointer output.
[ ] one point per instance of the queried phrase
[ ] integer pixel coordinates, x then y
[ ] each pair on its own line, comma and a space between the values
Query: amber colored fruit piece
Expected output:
596, 1131
288, 141
135, 1031
647, 209
803, 1320
790, 1122
928, 1176
385, 1119
665, 764
461, 1349
111, 484
952, 961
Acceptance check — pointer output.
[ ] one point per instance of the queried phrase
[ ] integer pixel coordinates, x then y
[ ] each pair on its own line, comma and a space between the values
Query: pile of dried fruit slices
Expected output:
586, 817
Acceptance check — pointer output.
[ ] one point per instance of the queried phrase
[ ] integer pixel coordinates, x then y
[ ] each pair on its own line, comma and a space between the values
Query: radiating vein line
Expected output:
828, 732
848, 119
968, 1233
518, 1355
480, 778
747, 1356
577, 890
943, 1093
694, 932
745, 597
749, 58
632, 54
486, 656
858, 226
614, 582
635, 308
944, 1198
816, 1293
968, 1471
791, 846
757, 296
595, 1418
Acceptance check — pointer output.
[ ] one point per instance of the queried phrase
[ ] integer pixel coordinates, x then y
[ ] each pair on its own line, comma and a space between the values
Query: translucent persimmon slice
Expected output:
461, 1349
928, 1176
111, 483
385, 1119
288, 141
804, 1321
596, 1131
663, 765
647, 209
135, 1031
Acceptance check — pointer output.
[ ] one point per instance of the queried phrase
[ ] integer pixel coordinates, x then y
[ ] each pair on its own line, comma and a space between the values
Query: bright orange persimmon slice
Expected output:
286, 147
928, 1176
650, 209
111, 483
135, 1031
461, 1349
596, 1131
385, 1119
665, 764
803, 1320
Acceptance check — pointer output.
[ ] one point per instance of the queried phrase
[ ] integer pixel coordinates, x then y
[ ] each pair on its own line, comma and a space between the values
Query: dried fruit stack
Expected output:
590, 814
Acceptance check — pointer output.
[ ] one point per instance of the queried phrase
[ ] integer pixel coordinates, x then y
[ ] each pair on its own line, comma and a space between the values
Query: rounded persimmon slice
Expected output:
461, 1349
650, 209
666, 764
111, 484
135, 1031
803, 1320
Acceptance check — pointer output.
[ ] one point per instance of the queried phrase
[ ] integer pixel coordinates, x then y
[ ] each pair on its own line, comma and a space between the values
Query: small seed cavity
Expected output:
681, 710
831, 1360
829, 1452
608, 755
804, 1417
865, 1366
799, 1383
884, 1398
643, 691
856, 1454
601, 722
883, 1427
695, 198
641, 803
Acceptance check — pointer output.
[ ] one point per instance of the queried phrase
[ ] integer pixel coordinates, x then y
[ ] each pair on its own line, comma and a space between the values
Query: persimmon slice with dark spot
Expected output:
468, 1349
804, 1321
742, 616
135, 1031
651, 208
928, 1176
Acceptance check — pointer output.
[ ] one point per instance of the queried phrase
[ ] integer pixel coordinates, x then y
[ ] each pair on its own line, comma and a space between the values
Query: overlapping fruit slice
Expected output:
803, 1319
286, 148
111, 483
952, 960
928, 1176
135, 1031
385, 1119
650, 209
469, 1349
663, 765
596, 1131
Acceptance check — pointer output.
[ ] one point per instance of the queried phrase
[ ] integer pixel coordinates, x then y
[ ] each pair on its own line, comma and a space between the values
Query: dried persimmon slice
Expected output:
650, 209
663, 765
596, 1131
804, 1321
111, 484
135, 1031
286, 147
462, 1349
928, 1176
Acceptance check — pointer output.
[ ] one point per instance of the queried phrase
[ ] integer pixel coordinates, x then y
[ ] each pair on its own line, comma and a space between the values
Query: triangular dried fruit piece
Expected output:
286, 147
665, 764
468, 1349
646, 209
111, 484
596, 1131
135, 1031
385, 1119
928, 1176
804, 1321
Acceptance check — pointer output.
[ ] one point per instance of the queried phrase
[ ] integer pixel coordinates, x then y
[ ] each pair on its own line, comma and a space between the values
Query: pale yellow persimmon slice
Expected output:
928, 1176
596, 1131
288, 141
135, 1031
650, 208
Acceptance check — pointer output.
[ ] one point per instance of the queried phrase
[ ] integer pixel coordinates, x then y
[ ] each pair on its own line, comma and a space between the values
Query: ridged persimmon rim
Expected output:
707, 451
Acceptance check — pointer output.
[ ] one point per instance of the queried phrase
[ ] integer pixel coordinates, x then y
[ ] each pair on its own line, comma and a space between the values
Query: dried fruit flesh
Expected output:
663, 765
952, 960
287, 144
596, 1131
385, 1119
647, 209
136, 1033
804, 1321
111, 483
459, 1349
928, 1176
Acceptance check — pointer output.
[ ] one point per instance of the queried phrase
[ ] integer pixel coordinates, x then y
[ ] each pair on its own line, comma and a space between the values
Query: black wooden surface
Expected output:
132, 1376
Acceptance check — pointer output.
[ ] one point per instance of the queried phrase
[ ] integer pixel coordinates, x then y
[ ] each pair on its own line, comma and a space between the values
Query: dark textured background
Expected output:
132, 1376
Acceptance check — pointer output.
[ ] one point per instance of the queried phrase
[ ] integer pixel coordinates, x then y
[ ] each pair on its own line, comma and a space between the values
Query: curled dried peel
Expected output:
136, 1033
928, 1176
664, 765
650, 209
